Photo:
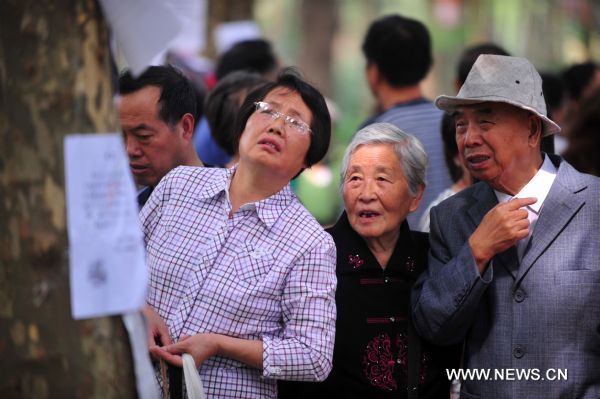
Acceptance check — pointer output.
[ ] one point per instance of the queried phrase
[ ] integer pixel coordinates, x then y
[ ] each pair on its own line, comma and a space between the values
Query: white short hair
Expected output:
410, 151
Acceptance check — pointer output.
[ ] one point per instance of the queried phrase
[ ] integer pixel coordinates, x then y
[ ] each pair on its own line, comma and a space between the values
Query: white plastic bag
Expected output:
193, 384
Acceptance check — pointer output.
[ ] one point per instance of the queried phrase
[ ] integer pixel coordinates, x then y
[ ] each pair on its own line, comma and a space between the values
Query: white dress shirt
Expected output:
537, 187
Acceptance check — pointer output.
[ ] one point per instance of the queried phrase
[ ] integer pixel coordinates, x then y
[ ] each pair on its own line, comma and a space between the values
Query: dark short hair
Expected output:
248, 55
584, 140
177, 96
222, 106
469, 56
321, 121
401, 49
553, 89
448, 128
577, 77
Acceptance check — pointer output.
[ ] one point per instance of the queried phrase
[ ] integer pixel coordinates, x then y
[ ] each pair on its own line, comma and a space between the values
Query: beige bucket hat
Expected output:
499, 78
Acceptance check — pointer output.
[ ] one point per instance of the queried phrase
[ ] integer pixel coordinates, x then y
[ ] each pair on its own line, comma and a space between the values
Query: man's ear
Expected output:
373, 75
535, 129
187, 126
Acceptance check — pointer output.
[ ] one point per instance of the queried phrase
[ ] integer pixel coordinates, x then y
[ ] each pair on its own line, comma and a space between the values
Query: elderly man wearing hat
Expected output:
514, 266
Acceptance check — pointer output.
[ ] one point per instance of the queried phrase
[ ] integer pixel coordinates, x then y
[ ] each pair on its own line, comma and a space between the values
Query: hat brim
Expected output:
452, 103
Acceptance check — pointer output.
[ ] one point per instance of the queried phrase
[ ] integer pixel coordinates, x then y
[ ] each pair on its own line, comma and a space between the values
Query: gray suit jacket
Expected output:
541, 316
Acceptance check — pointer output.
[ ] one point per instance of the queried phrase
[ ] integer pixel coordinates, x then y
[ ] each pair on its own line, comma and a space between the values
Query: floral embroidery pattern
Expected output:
355, 261
379, 362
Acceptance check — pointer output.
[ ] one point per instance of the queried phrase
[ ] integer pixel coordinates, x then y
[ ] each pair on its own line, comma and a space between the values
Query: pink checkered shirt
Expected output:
268, 274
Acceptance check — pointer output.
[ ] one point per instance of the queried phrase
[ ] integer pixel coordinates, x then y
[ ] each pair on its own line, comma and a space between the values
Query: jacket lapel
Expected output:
560, 206
509, 260
483, 200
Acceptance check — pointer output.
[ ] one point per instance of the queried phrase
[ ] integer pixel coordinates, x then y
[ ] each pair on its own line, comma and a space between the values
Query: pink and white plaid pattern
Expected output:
268, 273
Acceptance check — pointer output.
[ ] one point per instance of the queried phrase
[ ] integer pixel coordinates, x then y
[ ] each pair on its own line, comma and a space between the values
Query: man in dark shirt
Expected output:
398, 54
156, 111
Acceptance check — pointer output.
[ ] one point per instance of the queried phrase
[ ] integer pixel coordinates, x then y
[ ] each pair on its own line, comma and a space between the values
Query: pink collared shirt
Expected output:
267, 273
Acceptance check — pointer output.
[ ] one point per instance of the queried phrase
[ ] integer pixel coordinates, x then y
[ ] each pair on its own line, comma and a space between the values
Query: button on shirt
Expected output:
267, 273
538, 187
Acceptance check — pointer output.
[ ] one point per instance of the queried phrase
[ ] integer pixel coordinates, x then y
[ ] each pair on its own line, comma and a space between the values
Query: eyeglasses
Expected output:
266, 109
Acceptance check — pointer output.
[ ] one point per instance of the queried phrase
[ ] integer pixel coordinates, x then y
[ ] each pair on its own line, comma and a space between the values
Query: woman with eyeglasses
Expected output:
242, 276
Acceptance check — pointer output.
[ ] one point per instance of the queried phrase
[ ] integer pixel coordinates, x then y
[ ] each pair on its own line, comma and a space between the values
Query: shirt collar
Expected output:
268, 209
538, 187
216, 183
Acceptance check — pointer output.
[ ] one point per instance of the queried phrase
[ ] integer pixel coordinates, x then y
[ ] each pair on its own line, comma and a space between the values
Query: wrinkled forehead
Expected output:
497, 109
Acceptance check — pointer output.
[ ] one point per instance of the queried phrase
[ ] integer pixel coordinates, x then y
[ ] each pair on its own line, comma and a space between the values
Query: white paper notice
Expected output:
228, 34
147, 385
142, 28
106, 252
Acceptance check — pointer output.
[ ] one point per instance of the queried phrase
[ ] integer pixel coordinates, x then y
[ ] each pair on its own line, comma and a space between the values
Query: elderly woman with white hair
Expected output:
377, 353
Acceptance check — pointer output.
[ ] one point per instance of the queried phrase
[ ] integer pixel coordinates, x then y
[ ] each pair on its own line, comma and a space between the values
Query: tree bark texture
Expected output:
225, 11
319, 26
54, 80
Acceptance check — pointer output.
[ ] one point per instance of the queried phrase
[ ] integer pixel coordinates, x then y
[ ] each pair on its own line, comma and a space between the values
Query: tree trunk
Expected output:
225, 11
54, 80
319, 25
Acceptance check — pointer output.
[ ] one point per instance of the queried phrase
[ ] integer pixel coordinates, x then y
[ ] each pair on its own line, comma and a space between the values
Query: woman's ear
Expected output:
414, 203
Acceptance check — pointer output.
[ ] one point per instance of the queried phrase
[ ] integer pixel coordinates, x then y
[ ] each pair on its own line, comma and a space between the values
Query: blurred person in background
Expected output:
584, 136
554, 95
377, 353
242, 277
223, 104
252, 56
156, 112
458, 171
398, 54
579, 80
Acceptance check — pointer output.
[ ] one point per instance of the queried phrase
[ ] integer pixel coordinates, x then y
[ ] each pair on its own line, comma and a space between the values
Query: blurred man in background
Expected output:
398, 54
251, 56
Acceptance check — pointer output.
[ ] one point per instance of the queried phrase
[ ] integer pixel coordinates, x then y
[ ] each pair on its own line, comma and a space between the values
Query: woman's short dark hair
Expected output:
321, 121
401, 49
